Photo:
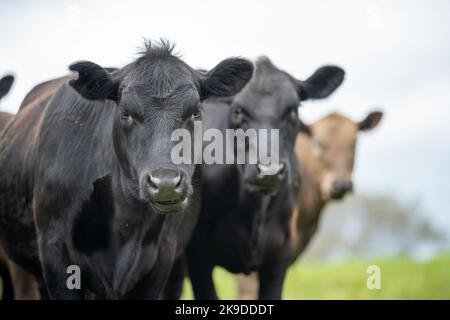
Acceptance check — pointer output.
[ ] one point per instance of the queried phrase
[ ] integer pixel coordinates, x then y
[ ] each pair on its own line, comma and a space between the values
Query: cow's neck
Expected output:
135, 231
310, 204
253, 213
132, 216
310, 198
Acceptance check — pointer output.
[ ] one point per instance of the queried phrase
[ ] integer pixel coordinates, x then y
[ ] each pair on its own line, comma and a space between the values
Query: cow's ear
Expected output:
5, 84
371, 121
303, 128
321, 84
226, 79
94, 82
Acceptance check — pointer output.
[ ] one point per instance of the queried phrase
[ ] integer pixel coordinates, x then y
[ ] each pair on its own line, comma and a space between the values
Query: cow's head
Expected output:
271, 101
326, 149
5, 84
155, 95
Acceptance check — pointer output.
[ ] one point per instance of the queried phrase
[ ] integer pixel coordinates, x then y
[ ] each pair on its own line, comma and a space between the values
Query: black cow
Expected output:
245, 215
88, 178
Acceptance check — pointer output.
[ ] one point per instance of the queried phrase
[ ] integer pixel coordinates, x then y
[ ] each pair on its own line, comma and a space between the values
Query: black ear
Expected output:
5, 84
371, 121
322, 83
303, 127
94, 82
227, 78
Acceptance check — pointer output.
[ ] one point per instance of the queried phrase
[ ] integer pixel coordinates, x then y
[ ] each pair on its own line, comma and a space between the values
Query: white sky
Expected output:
396, 54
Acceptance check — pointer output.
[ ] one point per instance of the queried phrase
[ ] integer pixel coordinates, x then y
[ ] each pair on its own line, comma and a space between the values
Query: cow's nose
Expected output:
266, 179
165, 185
270, 170
341, 187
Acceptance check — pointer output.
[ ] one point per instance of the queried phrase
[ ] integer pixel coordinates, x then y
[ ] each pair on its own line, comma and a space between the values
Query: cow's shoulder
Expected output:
74, 145
42, 91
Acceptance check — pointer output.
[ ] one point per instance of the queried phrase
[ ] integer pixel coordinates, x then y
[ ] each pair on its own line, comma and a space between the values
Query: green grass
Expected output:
401, 278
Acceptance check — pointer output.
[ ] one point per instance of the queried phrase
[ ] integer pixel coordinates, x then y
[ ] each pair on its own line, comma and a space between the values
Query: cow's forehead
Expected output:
185, 96
268, 78
270, 90
160, 79
335, 127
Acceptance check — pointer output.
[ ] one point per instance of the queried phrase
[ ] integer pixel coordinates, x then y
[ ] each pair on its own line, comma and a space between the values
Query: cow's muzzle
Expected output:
165, 189
267, 179
340, 188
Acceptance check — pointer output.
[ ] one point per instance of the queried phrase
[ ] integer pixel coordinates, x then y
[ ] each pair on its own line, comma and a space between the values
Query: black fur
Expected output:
322, 83
94, 82
5, 85
241, 228
7, 285
72, 189
221, 81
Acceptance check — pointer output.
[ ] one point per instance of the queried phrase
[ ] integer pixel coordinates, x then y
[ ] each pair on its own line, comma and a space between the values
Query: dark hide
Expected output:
244, 224
78, 169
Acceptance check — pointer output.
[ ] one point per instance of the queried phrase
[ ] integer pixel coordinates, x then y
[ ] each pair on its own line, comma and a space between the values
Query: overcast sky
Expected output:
396, 55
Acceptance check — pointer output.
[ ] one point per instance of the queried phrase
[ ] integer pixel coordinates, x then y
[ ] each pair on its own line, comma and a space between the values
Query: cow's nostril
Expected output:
350, 186
165, 185
342, 186
178, 181
150, 182
270, 169
282, 168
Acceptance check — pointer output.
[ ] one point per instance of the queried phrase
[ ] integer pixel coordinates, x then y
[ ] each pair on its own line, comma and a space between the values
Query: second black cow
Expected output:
244, 224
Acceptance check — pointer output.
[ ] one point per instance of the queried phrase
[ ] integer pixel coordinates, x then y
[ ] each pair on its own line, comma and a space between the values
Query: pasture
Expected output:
138, 140
401, 278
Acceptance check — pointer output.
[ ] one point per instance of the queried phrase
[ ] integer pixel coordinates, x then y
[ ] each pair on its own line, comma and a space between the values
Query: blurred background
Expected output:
396, 55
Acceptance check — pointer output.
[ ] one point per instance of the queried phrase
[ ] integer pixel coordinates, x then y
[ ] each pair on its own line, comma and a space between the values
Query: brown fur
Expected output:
293, 223
324, 156
4, 118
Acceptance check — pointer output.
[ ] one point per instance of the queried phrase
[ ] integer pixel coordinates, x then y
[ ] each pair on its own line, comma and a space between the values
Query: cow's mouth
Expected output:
169, 206
262, 188
338, 195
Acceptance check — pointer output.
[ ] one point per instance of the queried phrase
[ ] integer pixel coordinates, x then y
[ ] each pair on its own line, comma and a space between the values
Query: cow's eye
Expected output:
319, 146
127, 118
237, 115
196, 115
293, 113
244, 125
237, 111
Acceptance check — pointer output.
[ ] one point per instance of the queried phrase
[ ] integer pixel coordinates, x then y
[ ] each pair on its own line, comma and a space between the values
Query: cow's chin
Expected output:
172, 206
326, 196
338, 195
329, 195
261, 189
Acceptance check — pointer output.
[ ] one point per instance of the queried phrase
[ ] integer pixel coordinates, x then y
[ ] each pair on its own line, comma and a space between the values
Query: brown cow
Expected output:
325, 151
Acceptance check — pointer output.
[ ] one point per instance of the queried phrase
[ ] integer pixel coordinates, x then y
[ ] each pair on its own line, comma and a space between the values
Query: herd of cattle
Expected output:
86, 179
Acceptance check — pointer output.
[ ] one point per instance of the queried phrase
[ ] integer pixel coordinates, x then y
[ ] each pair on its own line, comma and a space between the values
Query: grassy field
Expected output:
401, 278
